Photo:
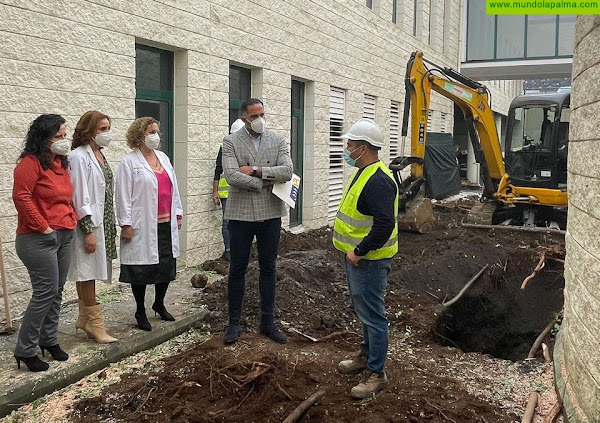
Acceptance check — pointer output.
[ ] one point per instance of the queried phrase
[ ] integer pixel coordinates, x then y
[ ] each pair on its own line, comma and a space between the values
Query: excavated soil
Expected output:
259, 381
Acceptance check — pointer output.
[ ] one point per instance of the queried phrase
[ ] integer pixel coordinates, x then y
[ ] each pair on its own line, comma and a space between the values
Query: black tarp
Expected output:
441, 167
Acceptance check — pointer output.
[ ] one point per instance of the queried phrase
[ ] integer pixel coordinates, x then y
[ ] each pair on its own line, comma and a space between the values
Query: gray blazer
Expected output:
248, 200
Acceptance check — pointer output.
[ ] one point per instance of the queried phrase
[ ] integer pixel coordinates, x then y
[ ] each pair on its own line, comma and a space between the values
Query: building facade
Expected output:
577, 366
318, 66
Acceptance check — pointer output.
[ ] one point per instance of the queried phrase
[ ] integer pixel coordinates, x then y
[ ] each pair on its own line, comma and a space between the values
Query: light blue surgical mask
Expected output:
350, 160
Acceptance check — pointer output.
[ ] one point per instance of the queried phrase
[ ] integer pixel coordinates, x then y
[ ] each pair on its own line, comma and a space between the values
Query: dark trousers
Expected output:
267, 241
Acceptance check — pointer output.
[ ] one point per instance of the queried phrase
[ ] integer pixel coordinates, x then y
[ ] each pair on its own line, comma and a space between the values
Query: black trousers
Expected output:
267, 241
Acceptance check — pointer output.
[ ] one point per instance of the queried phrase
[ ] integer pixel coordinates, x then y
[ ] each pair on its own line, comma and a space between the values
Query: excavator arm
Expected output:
472, 98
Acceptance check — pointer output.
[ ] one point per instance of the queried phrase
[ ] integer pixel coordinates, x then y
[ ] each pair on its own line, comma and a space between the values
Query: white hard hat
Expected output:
365, 130
236, 126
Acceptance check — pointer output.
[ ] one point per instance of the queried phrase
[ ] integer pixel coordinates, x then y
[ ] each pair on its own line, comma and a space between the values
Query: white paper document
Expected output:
288, 191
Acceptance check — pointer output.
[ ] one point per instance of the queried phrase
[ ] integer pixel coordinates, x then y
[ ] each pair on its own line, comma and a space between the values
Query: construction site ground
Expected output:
463, 364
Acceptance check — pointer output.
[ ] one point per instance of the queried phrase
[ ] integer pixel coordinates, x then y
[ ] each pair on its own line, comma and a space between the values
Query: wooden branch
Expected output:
530, 410
310, 338
303, 407
465, 288
554, 413
540, 339
539, 267
515, 228
285, 392
546, 352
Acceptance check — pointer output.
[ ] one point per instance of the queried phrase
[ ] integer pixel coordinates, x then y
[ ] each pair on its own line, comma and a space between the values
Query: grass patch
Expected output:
110, 297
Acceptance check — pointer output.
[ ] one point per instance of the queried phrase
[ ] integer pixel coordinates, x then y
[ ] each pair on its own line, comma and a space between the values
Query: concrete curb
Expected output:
115, 352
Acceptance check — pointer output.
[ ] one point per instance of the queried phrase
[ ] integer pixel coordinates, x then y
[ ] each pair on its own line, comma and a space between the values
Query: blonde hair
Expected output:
135, 133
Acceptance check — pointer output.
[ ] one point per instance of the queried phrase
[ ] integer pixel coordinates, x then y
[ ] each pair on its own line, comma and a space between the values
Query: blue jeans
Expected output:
367, 284
267, 243
225, 226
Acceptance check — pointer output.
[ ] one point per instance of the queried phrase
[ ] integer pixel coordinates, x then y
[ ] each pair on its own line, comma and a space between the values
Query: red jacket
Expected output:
43, 198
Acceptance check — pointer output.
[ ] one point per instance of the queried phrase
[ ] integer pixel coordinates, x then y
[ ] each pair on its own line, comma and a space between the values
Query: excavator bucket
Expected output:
418, 216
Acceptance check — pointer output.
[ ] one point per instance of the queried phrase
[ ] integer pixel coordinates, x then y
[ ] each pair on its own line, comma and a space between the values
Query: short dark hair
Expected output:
41, 130
250, 102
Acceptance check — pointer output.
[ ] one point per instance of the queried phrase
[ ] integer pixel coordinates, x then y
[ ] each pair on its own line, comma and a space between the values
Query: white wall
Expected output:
70, 57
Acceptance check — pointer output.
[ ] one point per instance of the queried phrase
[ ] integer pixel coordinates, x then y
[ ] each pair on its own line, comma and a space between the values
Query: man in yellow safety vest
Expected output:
366, 231
221, 188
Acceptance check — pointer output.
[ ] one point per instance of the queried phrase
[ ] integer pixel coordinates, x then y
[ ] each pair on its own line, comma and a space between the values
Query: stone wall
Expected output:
70, 57
577, 362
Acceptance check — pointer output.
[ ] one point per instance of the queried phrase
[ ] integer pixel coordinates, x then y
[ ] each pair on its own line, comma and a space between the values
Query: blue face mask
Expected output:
350, 160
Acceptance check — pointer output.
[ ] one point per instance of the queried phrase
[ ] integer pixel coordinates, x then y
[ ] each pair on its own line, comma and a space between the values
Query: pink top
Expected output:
165, 190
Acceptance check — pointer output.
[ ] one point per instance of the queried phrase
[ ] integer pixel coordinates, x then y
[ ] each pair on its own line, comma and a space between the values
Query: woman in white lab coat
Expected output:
93, 247
149, 212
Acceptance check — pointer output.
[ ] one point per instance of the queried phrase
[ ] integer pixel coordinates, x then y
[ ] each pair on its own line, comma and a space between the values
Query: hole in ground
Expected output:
500, 319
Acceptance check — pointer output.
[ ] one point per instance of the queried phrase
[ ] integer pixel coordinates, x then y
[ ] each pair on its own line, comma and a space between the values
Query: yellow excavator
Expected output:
527, 187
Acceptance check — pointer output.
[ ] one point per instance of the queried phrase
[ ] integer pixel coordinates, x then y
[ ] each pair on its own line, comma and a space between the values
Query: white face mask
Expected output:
103, 139
60, 148
152, 141
258, 125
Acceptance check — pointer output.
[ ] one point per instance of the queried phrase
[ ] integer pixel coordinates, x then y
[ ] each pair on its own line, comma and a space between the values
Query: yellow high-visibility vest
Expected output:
223, 188
351, 226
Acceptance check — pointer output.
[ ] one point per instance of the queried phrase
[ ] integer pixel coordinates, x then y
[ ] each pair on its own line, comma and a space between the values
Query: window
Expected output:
541, 33
415, 14
154, 90
430, 20
297, 144
446, 26
337, 100
394, 11
566, 34
511, 39
394, 124
370, 4
239, 91
480, 31
369, 106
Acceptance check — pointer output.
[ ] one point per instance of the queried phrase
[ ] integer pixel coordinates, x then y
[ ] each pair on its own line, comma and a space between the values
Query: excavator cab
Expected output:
537, 141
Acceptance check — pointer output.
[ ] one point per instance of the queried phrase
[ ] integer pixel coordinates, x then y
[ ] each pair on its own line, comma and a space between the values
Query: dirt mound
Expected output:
495, 317
258, 381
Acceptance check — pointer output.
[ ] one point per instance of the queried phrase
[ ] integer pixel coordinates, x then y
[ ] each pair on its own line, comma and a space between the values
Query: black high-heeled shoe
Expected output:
164, 314
55, 351
142, 322
34, 364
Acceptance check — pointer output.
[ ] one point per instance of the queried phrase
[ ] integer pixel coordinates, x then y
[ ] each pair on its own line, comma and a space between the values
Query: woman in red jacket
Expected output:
42, 193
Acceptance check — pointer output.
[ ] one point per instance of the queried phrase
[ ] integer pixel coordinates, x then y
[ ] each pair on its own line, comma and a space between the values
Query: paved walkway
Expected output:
18, 387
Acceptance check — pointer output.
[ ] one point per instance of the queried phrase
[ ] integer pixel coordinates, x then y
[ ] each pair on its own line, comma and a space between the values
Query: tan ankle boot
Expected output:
371, 384
82, 319
353, 365
95, 326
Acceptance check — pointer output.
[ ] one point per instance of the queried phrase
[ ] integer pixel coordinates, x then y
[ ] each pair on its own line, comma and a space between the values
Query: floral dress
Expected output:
110, 228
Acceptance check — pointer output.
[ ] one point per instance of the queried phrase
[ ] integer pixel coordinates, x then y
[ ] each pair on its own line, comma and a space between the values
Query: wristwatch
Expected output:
254, 169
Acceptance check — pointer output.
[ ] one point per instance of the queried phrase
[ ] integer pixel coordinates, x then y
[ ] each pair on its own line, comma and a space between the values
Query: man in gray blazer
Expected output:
253, 160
